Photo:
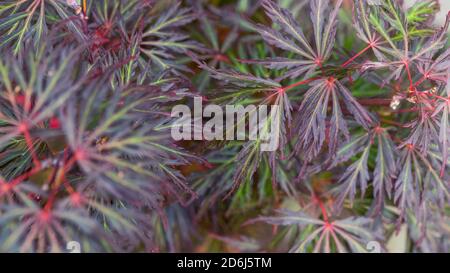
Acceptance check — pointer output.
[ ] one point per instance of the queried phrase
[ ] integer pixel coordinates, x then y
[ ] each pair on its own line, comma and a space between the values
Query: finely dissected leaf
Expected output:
292, 39
406, 182
290, 25
216, 51
436, 42
161, 40
22, 20
416, 175
337, 236
385, 167
314, 111
324, 27
424, 132
290, 218
241, 79
356, 174
47, 234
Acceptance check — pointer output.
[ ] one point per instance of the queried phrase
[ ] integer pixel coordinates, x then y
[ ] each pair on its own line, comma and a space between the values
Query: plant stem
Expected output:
321, 206
357, 55
30, 146
24, 176
411, 85
297, 84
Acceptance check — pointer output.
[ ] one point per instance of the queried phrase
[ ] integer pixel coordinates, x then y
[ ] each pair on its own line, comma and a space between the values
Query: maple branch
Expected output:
286, 88
23, 128
321, 206
371, 45
411, 84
